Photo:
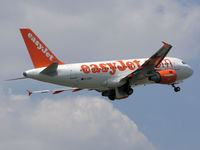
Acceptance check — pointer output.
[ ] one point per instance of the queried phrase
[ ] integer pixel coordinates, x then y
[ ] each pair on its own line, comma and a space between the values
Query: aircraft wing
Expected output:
53, 91
147, 68
156, 59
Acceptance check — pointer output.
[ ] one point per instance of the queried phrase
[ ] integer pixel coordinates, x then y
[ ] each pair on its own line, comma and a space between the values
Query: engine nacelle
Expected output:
164, 76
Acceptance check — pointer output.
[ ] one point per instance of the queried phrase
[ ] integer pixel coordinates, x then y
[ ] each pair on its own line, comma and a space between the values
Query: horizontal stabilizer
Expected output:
16, 79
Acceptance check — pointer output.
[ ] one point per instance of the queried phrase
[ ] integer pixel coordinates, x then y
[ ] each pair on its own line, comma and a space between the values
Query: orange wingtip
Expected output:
56, 92
75, 90
29, 93
165, 44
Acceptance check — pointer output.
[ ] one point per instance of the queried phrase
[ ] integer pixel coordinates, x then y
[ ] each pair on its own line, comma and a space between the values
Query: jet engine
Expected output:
164, 76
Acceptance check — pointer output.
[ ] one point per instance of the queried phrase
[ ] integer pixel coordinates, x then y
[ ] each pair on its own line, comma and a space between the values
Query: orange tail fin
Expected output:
41, 56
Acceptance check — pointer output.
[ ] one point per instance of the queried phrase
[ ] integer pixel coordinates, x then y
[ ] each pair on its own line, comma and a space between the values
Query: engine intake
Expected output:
168, 76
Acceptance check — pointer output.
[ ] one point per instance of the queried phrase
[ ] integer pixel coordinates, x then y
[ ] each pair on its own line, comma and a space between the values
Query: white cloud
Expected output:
69, 123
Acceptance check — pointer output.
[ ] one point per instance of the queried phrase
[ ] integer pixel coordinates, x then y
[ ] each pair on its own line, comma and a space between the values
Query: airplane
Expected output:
114, 79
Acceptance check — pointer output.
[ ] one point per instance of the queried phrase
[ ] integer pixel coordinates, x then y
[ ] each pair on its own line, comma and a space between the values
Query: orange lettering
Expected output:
122, 67
166, 61
113, 67
95, 68
137, 62
103, 67
130, 65
85, 68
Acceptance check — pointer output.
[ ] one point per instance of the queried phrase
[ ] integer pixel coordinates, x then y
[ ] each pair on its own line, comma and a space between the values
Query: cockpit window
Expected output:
183, 62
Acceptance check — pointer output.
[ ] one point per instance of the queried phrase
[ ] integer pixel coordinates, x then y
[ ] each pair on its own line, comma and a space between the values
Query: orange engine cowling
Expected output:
164, 76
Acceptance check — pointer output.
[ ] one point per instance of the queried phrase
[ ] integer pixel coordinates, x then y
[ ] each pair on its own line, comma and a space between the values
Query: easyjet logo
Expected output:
119, 65
41, 47
110, 67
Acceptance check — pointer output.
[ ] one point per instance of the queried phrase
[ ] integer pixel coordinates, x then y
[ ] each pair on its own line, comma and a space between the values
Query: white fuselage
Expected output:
107, 74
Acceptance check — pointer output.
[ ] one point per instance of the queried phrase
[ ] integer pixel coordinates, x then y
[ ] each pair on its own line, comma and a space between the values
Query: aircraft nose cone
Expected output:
189, 71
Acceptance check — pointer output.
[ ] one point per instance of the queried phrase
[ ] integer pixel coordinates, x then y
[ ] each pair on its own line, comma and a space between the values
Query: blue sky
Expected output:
79, 31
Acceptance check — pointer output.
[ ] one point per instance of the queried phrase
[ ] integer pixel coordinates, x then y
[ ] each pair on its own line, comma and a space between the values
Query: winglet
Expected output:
165, 44
29, 93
